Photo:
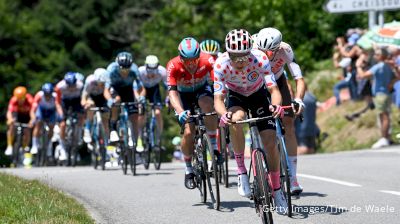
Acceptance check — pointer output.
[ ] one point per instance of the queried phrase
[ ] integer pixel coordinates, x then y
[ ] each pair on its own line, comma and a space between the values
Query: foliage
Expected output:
23, 201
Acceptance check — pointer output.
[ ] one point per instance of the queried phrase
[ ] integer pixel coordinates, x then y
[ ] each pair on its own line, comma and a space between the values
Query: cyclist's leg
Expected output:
290, 134
25, 118
156, 99
187, 146
10, 135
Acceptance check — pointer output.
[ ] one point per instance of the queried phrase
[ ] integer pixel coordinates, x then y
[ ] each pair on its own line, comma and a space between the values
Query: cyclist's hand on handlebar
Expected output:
31, 123
110, 103
225, 119
298, 106
183, 116
277, 111
142, 99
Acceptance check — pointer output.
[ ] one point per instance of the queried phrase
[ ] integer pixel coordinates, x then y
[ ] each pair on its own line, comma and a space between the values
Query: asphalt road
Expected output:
349, 187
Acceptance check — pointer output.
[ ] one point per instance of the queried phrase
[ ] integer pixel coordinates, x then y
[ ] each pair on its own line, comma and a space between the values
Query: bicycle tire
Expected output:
157, 149
132, 150
213, 173
102, 149
224, 171
263, 194
16, 151
147, 148
285, 175
199, 173
123, 154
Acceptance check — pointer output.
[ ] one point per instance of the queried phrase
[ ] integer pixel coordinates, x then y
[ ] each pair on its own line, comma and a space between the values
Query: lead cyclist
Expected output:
269, 40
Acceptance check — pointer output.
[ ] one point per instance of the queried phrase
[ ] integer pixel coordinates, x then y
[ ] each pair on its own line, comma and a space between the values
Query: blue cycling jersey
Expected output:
116, 81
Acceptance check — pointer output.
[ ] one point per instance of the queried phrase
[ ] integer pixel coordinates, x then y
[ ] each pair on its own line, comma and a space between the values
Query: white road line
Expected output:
329, 180
391, 192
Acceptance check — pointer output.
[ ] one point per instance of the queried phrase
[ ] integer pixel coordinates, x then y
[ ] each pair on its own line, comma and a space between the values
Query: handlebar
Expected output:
101, 109
23, 125
196, 116
249, 120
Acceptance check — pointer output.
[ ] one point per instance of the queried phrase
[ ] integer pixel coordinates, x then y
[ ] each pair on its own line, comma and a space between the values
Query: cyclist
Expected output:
187, 85
46, 108
123, 85
93, 96
243, 76
280, 53
151, 74
18, 111
210, 47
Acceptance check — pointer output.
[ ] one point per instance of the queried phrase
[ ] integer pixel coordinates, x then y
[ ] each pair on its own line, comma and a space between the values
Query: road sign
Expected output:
343, 6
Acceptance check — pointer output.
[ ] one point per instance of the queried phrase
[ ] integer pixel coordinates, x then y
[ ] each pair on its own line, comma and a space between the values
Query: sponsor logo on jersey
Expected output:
252, 77
217, 86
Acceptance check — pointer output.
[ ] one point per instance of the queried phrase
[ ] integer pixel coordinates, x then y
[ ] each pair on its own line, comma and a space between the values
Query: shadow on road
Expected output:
309, 194
304, 211
228, 206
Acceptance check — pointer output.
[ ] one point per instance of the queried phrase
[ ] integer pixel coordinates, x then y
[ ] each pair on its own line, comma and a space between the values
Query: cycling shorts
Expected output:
258, 105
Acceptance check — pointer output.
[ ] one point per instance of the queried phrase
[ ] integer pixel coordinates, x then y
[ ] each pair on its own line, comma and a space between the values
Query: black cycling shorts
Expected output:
258, 105
127, 95
153, 95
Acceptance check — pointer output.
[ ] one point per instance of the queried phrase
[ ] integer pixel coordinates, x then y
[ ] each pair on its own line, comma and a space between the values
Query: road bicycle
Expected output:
203, 172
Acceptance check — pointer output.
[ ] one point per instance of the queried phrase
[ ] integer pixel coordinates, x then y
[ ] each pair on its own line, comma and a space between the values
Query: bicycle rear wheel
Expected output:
211, 172
262, 190
285, 175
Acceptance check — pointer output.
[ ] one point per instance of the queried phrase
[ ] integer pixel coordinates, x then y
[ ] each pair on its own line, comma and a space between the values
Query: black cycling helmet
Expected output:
124, 59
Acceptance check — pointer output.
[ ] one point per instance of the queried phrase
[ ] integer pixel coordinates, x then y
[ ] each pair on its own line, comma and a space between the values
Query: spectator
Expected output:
352, 51
381, 75
307, 130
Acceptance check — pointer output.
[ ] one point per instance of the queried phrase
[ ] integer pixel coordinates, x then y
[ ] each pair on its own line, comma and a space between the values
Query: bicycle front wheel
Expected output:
16, 152
262, 190
285, 174
132, 154
147, 148
211, 170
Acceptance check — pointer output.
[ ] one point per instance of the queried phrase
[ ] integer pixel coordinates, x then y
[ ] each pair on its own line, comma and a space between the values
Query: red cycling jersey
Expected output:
23, 107
183, 81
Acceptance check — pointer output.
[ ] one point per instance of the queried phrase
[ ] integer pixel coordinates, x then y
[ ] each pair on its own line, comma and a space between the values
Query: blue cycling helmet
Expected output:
124, 59
189, 48
70, 78
47, 88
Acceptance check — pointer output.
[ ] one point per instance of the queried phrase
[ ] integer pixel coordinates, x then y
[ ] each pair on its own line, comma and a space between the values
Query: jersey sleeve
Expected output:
58, 92
171, 76
219, 80
12, 105
294, 68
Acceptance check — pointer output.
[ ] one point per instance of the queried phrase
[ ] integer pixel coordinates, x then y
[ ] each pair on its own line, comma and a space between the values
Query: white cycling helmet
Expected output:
238, 41
100, 74
269, 39
151, 61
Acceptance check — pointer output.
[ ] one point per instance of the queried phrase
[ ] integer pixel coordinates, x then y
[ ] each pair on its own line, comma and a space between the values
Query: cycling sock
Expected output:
34, 141
275, 175
239, 157
293, 167
213, 139
88, 124
188, 163
10, 140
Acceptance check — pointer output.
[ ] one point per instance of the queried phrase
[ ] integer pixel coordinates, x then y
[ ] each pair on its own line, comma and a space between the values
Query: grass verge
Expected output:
23, 201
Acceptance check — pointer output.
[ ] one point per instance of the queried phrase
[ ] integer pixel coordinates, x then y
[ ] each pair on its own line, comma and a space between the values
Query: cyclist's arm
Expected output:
107, 94
175, 100
276, 97
59, 109
300, 88
84, 97
219, 104
11, 109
